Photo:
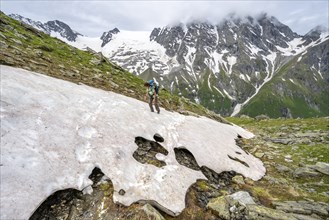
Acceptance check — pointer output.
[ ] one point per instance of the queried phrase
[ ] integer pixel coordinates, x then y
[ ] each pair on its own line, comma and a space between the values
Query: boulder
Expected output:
256, 212
262, 117
158, 138
305, 172
152, 213
303, 207
259, 154
220, 206
241, 197
238, 179
322, 167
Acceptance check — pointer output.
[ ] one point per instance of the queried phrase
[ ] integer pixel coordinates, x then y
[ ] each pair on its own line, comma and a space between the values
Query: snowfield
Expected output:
54, 132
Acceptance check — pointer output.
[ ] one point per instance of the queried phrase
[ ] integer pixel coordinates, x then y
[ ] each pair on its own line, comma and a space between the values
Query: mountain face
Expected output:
51, 27
107, 36
225, 66
250, 65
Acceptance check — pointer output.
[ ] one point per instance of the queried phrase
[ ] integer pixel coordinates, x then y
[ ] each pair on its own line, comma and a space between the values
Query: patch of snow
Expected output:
217, 36
218, 91
197, 100
253, 49
320, 68
252, 31
209, 85
176, 79
132, 42
80, 126
189, 60
235, 36
299, 58
171, 85
291, 80
228, 95
216, 60
231, 61
261, 30
185, 80
282, 34
296, 46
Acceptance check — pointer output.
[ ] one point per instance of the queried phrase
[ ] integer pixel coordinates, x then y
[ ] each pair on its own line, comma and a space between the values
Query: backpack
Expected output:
153, 86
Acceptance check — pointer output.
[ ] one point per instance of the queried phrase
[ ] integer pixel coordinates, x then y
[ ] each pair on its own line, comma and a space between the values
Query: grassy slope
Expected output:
285, 186
23, 46
296, 96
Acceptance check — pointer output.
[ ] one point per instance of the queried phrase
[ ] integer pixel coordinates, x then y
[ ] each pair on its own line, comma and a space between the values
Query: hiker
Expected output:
152, 91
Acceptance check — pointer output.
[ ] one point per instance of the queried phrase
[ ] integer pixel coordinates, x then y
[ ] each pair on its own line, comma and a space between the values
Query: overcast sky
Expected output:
92, 18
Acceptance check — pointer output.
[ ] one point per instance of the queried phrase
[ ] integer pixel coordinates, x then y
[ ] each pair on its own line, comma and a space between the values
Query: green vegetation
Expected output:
307, 144
300, 96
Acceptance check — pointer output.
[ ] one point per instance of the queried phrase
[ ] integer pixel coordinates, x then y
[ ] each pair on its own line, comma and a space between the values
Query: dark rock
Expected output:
305, 172
63, 29
151, 212
122, 192
185, 157
256, 212
146, 151
96, 175
223, 178
284, 141
158, 138
262, 117
107, 36
322, 167
238, 179
56, 204
282, 168
286, 113
303, 207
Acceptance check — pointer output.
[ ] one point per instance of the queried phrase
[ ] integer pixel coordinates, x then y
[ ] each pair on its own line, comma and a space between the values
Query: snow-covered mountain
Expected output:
224, 66
66, 129
228, 63
54, 28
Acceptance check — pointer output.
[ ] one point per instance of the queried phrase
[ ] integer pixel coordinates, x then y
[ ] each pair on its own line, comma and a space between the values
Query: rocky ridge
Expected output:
223, 66
107, 36
50, 27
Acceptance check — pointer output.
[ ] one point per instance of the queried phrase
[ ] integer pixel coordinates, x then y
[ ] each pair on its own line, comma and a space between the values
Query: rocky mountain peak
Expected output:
63, 29
56, 26
317, 31
108, 36
315, 34
36, 24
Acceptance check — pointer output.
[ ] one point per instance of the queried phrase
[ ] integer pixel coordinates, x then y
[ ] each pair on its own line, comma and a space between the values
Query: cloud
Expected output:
94, 17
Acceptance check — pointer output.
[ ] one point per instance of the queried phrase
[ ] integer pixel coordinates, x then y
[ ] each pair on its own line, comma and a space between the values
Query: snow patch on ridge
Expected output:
231, 61
296, 46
